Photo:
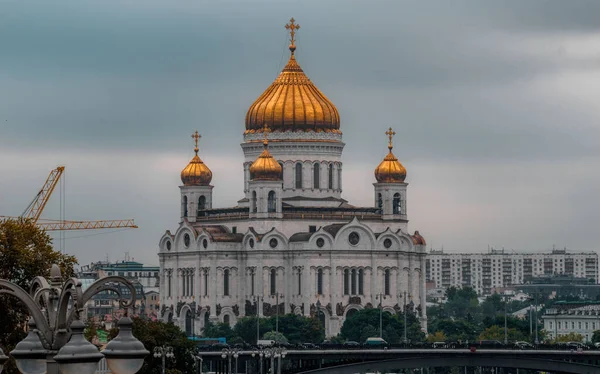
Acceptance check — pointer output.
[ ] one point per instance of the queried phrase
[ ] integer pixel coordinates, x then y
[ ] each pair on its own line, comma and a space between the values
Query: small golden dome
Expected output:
196, 173
390, 170
292, 102
265, 167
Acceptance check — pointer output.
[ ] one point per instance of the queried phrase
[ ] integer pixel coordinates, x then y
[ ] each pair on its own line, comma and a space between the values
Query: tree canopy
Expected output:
156, 334
364, 324
25, 252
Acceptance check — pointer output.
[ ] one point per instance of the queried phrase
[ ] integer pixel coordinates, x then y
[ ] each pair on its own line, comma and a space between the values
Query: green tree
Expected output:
570, 337
596, 336
437, 336
245, 328
156, 334
278, 337
365, 323
496, 332
457, 330
25, 252
218, 330
300, 329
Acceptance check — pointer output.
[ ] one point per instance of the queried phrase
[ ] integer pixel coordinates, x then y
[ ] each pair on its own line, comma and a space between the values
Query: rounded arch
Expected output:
180, 234
367, 238
274, 234
162, 243
328, 240
396, 242
389, 309
227, 311
351, 309
297, 311
249, 241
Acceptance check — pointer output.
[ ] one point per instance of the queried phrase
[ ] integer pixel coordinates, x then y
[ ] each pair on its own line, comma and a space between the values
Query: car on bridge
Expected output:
524, 345
352, 344
375, 343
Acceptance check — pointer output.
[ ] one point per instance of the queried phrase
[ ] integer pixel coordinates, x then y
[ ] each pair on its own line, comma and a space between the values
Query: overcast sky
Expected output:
495, 105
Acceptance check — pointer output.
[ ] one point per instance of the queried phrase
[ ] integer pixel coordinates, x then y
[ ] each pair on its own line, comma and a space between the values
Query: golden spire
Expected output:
390, 170
196, 137
390, 133
196, 173
292, 27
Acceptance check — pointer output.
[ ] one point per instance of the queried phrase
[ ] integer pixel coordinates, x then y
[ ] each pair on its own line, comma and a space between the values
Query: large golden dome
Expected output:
292, 102
390, 170
265, 167
196, 173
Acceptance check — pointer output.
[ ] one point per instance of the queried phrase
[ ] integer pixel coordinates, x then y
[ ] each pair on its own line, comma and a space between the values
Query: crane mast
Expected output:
37, 205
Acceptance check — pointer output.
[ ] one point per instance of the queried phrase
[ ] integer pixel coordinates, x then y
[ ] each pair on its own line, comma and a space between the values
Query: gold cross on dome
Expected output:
266, 131
292, 26
390, 133
196, 137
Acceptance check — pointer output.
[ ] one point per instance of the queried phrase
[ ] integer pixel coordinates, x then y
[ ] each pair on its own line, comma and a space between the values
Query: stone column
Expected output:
212, 290
307, 289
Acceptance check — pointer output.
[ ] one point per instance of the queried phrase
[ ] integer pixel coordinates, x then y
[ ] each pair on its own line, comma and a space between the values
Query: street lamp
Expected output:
260, 353
229, 353
164, 352
380, 297
55, 337
404, 312
197, 358
3, 359
272, 353
277, 296
256, 300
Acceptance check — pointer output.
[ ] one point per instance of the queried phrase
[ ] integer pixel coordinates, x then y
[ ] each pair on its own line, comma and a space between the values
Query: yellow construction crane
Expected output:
37, 205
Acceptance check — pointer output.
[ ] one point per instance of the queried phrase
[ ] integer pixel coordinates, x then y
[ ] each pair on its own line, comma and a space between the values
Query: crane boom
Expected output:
87, 225
35, 208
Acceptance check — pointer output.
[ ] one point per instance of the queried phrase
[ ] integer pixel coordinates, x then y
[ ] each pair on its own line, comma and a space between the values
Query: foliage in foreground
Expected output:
25, 252
156, 334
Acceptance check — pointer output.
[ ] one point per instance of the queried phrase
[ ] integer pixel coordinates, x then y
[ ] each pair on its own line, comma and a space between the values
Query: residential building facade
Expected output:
485, 272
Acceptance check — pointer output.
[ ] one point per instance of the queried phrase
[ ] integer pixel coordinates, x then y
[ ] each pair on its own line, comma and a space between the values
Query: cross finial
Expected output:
292, 26
390, 133
266, 131
196, 137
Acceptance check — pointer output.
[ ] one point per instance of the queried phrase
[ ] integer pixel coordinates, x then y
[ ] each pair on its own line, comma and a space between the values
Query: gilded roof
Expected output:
196, 173
292, 103
390, 170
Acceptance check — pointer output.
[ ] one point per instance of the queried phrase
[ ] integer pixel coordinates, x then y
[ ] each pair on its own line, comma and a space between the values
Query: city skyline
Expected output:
492, 105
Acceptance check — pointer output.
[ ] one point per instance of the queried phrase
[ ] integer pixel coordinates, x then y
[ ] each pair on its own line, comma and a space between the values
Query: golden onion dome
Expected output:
390, 170
196, 173
292, 102
265, 167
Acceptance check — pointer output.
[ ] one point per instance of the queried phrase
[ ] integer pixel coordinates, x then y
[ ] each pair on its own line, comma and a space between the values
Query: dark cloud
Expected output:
478, 84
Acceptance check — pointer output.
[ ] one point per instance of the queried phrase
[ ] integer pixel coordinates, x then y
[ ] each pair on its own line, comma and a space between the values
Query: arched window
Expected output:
339, 181
330, 176
379, 201
184, 203
226, 282
201, 205
282, 170
386, 282
169, 278
316, 176
272, 206
397, 204
273, 281
346, 281
353, 282
320, 282
361, 283
226, 319
299, 175
254, 207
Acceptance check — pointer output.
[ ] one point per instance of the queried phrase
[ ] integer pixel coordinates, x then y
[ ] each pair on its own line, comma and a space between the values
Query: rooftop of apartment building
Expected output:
493, 251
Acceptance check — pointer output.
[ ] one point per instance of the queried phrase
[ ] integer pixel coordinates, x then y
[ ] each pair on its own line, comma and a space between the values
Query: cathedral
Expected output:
292, 244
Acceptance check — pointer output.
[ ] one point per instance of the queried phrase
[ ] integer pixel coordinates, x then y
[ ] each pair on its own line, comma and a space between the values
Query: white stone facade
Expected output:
322, 266
580, 319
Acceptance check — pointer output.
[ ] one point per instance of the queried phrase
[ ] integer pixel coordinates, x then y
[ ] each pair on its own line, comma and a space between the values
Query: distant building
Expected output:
497, 269
572, 317
145, 279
